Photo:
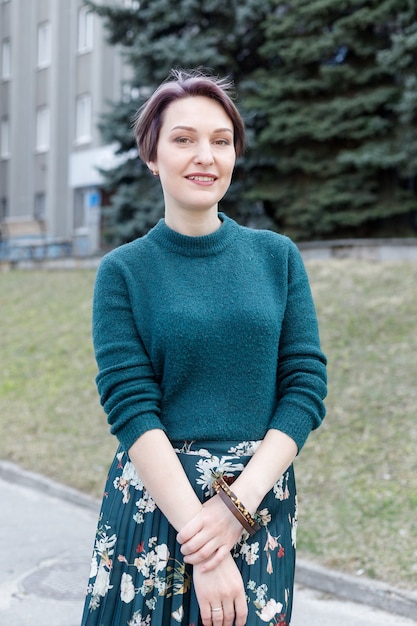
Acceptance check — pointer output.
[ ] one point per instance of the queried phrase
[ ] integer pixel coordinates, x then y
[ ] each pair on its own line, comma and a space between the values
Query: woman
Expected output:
212, 377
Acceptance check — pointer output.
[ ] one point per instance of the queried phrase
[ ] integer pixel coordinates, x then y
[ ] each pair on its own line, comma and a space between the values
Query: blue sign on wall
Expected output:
93, 199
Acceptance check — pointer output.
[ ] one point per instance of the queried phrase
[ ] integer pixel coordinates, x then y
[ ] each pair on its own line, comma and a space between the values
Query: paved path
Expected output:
46, 535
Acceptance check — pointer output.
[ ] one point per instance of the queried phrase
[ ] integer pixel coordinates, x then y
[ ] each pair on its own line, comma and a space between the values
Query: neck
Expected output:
193, 224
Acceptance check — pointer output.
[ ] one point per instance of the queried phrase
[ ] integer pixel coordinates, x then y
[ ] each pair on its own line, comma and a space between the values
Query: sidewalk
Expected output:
46, 536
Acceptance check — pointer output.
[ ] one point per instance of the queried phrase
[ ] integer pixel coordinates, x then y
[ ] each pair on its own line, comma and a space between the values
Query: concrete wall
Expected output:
31, 178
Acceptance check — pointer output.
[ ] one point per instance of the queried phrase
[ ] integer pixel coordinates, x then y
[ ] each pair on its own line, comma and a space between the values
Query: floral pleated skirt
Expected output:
138, 577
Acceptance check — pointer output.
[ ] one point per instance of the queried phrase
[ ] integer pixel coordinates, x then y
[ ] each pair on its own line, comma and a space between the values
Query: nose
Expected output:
204, 153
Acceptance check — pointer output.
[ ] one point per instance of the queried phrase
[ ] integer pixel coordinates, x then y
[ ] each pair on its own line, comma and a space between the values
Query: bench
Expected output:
25, 237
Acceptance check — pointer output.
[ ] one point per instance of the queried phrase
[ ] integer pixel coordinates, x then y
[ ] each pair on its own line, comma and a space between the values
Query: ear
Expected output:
152, 166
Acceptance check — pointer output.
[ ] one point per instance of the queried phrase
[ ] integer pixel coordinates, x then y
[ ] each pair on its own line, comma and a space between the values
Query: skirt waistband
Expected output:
207, 449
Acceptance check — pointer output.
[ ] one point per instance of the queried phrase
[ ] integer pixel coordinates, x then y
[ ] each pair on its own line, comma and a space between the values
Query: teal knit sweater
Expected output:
208, 338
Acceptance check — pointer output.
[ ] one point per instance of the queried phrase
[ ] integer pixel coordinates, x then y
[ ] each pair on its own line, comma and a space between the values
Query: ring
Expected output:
219, 609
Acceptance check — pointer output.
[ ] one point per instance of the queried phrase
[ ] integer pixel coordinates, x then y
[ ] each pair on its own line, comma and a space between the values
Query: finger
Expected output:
213, 561
195, 543
189, 530
241, 610
206, 613
228, 612
206, 552
217, 616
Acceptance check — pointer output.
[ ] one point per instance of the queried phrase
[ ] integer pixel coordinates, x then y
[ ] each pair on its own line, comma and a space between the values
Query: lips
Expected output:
202, 178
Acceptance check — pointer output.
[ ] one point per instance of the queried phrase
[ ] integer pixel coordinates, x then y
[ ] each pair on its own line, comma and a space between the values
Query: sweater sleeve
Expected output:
301, 373
126, 383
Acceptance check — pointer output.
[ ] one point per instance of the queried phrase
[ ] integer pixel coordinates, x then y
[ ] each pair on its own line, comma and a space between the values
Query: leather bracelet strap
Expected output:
238, 504
241, 519
231, 500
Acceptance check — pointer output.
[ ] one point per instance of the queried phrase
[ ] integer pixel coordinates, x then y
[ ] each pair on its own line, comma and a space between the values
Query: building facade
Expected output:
57, 76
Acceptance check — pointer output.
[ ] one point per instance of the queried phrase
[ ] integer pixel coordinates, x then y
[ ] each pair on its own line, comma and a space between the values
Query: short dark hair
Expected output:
183, 84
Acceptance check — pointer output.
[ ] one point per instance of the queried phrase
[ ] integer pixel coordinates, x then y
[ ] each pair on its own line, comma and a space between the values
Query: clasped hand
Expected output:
210, 535
221, 589
206, 542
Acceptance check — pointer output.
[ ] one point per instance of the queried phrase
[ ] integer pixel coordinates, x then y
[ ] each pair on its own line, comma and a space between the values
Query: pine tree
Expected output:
327, 109
327, 89
403, 57
220, 36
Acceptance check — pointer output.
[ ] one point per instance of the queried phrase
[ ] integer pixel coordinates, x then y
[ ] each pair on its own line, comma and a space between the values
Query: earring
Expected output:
155, 172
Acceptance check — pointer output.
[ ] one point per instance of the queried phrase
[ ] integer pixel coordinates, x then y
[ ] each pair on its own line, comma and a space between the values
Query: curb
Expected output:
342, 586
13, 473
360, 591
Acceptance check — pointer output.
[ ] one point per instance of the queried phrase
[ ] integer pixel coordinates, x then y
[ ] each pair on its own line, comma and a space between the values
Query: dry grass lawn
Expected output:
357, 475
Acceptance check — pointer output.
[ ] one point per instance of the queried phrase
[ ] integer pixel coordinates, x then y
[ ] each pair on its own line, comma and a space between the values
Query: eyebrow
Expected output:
190, 128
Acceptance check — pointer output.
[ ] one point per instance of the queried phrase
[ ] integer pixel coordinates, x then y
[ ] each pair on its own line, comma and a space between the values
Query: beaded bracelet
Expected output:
241, 513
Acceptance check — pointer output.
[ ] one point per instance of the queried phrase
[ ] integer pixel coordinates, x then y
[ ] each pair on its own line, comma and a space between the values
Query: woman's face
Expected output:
195, 154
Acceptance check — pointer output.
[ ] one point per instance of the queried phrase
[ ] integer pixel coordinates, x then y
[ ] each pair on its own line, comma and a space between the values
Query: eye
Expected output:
222, 142
182, 140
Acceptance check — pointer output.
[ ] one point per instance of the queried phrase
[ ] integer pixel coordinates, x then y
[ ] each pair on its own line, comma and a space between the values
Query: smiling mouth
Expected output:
202, 179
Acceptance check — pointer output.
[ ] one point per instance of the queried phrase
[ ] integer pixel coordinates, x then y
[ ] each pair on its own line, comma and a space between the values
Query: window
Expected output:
42, 129
39, 209
80, 213
83, 119
4, 138
85, 30
3, 208
86, 199
44, 44
5, 59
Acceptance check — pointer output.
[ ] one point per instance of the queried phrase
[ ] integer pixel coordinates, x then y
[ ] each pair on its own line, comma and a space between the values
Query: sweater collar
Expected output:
185, 245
